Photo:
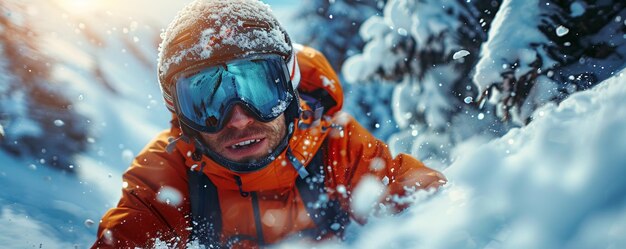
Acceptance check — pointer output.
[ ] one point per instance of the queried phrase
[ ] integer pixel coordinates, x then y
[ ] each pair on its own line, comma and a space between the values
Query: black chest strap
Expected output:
206, 215
325, 212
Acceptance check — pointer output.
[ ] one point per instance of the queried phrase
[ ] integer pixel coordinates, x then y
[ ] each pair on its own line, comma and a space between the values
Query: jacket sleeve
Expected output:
141, 217
355, 154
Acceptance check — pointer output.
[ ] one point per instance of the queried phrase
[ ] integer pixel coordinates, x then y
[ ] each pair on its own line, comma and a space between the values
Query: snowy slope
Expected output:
106, 53
107, 61
556, 183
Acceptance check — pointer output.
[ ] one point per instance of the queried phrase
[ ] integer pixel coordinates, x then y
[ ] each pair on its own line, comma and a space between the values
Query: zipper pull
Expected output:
240, 184
300, 168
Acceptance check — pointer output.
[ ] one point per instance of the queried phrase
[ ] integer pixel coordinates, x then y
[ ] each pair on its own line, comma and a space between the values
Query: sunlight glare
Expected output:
80, 6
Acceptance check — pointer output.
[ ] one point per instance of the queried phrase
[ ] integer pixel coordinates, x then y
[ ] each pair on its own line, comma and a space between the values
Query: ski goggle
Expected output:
261, 84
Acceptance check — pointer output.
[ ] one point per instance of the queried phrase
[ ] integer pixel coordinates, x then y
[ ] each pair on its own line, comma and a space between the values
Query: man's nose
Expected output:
239, 118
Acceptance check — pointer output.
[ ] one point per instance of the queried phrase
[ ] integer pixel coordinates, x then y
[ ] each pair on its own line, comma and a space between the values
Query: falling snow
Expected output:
569, 156
561, 31
460, 54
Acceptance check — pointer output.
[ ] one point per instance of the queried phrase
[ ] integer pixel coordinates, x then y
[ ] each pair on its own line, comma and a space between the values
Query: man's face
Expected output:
245, 139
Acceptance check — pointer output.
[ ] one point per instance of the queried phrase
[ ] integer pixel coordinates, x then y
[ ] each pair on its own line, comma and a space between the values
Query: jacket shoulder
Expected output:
349, 143
319, 79
155, 168
154, 201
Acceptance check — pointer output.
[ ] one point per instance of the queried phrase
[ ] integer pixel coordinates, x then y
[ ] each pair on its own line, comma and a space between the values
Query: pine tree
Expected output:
464, 68
332, 26
564, 47
429, 49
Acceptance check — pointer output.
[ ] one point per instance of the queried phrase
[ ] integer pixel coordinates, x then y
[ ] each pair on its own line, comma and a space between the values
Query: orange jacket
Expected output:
144, 218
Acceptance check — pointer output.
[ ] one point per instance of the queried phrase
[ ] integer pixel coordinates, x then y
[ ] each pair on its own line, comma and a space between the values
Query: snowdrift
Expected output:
556, 183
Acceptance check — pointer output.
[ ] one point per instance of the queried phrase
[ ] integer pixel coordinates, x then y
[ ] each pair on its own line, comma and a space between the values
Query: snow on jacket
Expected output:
144, 218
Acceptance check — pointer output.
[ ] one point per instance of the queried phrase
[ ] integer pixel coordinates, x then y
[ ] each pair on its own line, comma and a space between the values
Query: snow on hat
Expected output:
209, 32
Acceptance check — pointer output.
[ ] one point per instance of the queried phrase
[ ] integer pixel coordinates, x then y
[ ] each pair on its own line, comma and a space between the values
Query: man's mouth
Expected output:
250, 148
245, 144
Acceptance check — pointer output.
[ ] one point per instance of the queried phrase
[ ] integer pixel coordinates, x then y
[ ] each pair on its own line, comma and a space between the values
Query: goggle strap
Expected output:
171, 146
294, 74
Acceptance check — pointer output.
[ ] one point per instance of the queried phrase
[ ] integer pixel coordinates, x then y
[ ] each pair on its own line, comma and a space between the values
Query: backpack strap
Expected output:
327, 214
206, 216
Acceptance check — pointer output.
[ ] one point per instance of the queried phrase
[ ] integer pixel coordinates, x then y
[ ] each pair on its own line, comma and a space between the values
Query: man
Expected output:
258, 151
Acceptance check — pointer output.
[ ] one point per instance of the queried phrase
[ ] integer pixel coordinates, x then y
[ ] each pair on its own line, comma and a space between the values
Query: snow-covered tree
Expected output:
429, 50
38, 119
540, 51
370, 104
332, 27
465, 68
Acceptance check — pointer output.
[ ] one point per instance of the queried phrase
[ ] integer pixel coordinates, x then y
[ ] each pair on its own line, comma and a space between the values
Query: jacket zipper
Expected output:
256, 210
257, 219
240, 185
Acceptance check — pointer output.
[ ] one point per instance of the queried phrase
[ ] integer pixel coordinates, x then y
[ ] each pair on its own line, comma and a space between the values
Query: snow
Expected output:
59, 122
500, 49
577, 9
555, 183
21, 125
377, 164
430, 81
223, 15
169, 196
460, 54
358, 67
281, 107
45, 208
49, 209
366, 195
14, 226
561, 31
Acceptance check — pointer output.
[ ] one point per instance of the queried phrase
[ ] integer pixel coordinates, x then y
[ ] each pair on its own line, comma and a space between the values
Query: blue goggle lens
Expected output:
261, 84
